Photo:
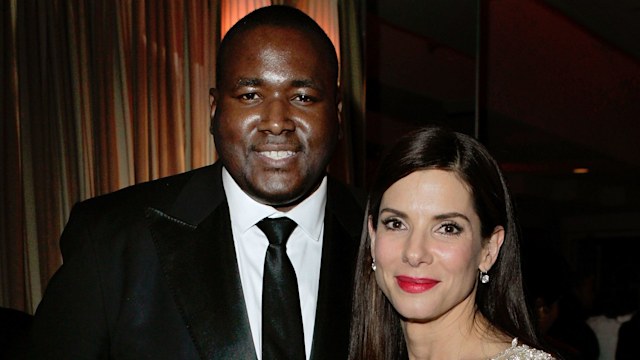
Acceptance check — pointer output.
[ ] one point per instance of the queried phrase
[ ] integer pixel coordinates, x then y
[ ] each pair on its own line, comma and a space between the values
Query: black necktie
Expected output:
282, 332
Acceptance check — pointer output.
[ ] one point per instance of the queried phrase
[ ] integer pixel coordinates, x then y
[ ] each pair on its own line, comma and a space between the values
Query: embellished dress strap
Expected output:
522, 352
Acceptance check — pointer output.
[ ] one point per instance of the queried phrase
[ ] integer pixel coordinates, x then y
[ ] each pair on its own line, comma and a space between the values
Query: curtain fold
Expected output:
12, 260
351, 165
232, 10
101, 94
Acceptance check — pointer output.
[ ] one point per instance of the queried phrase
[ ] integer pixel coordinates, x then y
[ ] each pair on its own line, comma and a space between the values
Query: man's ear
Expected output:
213, 94
491, 249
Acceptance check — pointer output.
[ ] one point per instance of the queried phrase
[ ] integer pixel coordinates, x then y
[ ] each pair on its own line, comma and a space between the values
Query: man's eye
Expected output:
248, 96
304, 98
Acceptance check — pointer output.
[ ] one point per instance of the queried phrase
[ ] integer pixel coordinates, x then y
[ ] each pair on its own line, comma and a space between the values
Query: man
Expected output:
172, 269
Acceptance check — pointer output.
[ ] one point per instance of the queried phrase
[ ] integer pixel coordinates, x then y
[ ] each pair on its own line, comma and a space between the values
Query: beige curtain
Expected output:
102, 94
98, 95
232, 10
351, 165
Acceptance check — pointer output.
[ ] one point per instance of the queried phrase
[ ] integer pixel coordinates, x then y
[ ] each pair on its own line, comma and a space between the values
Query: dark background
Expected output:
548, 87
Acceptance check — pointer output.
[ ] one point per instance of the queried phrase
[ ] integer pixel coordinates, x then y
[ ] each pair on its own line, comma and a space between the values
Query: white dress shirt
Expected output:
304, 249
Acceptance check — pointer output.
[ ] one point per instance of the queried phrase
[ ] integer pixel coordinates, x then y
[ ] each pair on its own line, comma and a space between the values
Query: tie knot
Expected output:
277, 229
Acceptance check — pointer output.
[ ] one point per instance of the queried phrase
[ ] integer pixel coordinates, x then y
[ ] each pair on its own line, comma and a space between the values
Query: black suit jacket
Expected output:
150, 272
14, 332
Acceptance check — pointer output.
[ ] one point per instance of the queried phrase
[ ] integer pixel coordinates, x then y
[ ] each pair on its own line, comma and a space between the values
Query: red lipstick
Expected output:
415, 285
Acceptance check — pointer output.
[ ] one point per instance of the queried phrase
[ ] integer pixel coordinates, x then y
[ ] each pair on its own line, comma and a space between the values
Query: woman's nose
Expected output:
416, 250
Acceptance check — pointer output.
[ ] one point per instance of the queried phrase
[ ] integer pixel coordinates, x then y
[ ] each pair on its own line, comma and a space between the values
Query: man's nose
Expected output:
276, 118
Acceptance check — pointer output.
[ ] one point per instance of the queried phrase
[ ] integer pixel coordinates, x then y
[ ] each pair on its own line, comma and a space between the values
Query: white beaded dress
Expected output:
522, 352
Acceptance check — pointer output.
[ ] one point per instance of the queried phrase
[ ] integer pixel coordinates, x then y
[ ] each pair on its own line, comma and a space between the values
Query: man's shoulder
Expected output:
347, 203
340, 191
125, 209
155, 193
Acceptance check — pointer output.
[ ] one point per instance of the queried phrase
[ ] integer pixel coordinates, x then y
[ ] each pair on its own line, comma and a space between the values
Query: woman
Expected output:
442, 245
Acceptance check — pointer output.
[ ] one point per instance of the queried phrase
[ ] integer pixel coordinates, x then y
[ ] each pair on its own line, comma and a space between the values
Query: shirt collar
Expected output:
245, 212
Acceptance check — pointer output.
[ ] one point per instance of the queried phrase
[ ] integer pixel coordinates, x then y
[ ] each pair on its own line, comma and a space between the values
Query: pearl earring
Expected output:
373, 265
484, 277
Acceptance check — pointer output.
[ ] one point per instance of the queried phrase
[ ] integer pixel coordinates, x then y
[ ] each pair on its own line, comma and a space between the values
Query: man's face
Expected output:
276, 115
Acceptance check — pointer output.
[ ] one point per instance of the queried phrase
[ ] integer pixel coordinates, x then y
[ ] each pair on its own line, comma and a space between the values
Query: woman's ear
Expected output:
372, 236
491, 249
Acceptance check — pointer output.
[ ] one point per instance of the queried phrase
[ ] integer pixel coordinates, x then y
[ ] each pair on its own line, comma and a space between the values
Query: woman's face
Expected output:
427, 246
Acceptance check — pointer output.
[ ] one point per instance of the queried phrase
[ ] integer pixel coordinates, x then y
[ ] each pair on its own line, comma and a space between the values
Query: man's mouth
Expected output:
277, 155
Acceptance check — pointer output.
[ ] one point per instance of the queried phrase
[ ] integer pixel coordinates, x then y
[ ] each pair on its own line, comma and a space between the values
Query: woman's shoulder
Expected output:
523, 352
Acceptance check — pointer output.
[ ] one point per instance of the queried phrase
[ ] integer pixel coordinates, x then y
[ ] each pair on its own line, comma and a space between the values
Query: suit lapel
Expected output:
343, 220
199, 264
195, 246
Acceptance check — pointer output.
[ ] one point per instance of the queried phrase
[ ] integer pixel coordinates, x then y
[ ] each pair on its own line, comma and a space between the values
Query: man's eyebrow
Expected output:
248, 82
305, 83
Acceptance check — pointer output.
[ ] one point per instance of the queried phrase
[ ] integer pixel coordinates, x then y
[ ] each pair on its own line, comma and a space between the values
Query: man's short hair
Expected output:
281, 16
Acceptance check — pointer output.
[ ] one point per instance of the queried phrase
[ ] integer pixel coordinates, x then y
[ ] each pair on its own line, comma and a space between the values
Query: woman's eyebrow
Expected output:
450, 215
393, 211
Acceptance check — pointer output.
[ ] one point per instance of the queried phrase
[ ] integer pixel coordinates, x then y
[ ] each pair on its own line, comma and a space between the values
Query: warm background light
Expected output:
324, 12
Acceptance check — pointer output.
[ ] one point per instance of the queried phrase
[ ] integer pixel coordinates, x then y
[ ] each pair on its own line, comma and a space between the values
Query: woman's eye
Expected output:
393, 224
450, 229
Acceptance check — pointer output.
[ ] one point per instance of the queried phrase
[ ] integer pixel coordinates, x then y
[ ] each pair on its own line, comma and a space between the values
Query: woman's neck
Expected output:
463, 335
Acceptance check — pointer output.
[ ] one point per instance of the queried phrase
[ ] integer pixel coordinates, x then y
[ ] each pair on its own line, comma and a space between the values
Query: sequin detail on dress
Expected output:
522, 352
